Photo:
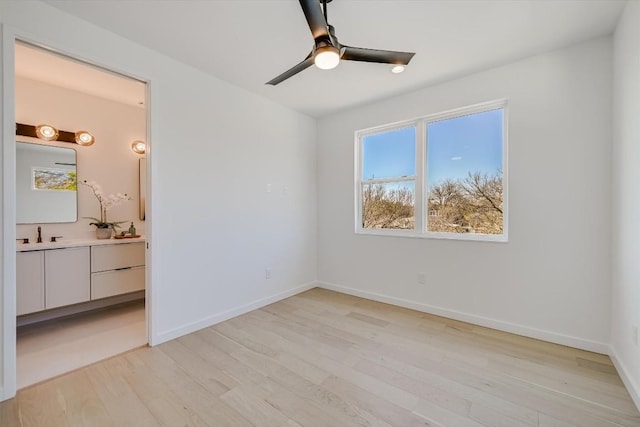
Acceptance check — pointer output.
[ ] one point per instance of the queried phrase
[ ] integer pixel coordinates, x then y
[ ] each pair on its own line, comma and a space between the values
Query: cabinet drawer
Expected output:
111, 257
109, 283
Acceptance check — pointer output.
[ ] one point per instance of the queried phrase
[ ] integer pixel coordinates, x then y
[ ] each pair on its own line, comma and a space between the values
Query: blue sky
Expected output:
390, 154
456, 147
465, 144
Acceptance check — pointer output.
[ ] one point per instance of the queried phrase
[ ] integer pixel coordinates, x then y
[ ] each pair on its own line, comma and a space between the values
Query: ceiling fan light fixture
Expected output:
397, 69
47, 132
326, 57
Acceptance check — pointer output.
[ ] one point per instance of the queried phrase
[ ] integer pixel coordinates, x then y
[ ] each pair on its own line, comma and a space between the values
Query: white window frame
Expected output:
420, 178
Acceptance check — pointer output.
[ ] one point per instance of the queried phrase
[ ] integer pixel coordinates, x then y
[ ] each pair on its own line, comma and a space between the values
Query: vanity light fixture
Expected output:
47, 132
139, 147
84, 138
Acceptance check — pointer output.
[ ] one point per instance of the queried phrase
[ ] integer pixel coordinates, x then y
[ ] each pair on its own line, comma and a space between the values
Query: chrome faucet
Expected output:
39, 235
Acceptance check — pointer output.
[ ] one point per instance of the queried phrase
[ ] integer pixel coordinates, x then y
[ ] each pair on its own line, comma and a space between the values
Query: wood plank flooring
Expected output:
47, 349
326, 359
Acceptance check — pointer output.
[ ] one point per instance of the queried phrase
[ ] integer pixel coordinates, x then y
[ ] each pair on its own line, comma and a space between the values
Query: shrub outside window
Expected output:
440, 176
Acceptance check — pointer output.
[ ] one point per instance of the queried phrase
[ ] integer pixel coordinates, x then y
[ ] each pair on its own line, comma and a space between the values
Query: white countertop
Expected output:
70, 243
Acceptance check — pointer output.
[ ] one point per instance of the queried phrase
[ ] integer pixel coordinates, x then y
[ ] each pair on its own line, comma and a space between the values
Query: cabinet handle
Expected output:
123, 268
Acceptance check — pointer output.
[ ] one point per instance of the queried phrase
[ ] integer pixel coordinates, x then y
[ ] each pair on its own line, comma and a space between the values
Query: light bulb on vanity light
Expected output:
47, 132
84, 138
139, 147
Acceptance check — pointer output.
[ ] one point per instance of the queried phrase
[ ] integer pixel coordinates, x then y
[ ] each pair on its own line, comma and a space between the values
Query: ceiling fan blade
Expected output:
308, 61
350, 53
315, 18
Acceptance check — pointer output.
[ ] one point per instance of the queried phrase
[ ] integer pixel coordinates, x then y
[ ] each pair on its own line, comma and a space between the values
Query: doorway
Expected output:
78, 299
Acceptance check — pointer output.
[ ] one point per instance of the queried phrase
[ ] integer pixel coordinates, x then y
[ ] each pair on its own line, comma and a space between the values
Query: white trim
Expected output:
229, 314
420, 191
553, 337
414, 234
10, 36
152, 317
8, 215
632, 386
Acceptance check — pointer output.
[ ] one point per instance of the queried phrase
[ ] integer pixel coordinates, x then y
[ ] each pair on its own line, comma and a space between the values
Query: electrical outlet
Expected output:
421, 278
268, 188
267, 273
634, 334
285, 190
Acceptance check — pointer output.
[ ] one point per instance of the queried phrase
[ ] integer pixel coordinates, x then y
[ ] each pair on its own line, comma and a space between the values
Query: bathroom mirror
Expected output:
46, 184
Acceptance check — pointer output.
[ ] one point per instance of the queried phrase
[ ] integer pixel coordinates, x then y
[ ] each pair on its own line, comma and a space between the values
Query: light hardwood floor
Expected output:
47, 349
327, 359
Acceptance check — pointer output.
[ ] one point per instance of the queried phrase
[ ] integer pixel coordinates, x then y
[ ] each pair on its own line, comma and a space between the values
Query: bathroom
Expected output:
55, 333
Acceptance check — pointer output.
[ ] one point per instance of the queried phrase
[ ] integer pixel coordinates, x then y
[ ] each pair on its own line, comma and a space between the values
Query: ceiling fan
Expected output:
327, 51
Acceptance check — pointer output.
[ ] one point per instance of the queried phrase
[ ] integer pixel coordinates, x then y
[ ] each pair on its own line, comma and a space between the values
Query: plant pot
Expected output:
103, 233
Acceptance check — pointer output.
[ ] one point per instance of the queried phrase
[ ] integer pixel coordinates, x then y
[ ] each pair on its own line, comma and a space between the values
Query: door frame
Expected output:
8, 37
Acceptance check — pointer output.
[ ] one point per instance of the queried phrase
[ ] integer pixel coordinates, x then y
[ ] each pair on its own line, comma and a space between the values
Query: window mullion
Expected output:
419, 208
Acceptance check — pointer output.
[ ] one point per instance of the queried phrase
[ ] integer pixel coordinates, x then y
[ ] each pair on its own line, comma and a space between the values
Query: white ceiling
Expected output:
248, 42
41, 65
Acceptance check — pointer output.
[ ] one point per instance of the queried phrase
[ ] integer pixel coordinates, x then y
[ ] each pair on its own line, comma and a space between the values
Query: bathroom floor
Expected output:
48, 349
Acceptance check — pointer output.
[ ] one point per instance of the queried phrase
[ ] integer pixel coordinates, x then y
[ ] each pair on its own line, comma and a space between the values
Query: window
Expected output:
388, 179
438, 176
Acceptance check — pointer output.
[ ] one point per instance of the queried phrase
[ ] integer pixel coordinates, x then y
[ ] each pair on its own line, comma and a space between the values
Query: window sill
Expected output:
502, 238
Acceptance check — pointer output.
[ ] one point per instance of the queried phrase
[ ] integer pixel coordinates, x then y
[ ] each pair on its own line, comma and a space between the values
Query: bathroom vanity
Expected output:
52, 275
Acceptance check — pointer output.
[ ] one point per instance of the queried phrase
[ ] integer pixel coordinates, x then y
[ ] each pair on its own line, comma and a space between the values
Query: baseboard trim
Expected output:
500, 325
632, 387
226, 315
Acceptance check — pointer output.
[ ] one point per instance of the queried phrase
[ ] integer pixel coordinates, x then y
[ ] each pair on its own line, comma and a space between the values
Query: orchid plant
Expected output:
106, 203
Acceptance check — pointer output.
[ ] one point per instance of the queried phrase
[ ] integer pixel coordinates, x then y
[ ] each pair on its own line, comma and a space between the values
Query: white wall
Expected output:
552, 279
626, 199
109, 161
213, 150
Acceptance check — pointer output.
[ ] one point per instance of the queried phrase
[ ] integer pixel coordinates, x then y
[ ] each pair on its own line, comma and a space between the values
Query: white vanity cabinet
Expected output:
29, 282
51, 278
117, 269
66, 274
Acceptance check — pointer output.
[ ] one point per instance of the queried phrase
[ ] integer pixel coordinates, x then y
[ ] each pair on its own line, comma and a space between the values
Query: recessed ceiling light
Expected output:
397, 69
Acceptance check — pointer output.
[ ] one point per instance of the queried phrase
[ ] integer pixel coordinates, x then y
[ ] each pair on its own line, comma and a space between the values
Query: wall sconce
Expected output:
139, 147
49, 133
